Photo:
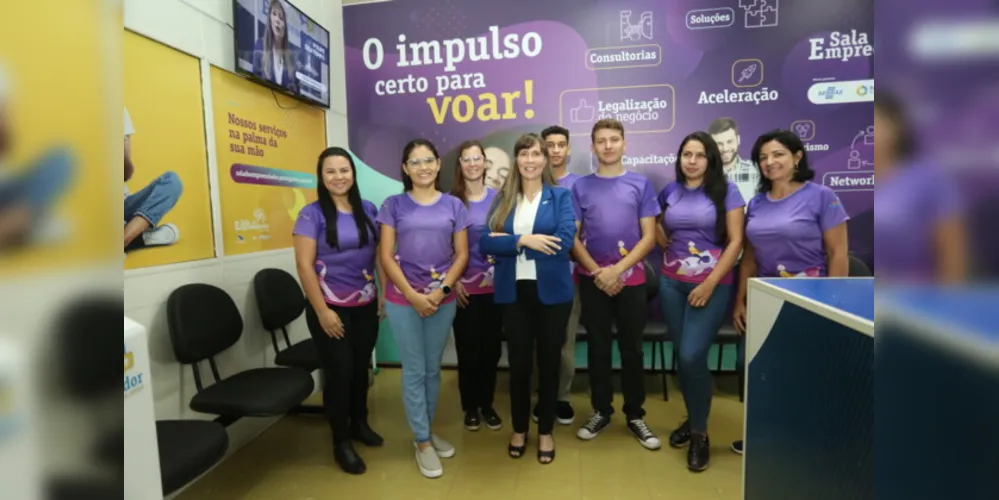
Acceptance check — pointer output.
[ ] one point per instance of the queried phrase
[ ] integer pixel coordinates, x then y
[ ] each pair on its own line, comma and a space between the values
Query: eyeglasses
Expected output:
416, 162
471, 159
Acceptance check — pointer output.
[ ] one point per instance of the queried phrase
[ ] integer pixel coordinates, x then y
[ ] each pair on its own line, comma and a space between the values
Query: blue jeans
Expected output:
40, 185
421, 343
155, 200
693, 330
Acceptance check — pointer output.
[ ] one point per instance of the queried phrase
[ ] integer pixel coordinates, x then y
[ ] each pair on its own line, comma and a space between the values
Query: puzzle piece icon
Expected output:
760, 13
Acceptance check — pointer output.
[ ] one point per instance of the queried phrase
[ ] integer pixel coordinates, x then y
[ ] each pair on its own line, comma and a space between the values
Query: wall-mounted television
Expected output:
280, 47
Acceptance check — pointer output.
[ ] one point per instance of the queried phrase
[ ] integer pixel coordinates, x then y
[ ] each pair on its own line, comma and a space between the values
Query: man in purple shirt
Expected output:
616, 212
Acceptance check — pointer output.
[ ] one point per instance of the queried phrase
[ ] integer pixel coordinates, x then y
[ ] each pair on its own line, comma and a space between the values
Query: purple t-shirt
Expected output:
689, 219
610, 209
568, 180
478, 277
424, 240
786, 235
346, 274
907, 209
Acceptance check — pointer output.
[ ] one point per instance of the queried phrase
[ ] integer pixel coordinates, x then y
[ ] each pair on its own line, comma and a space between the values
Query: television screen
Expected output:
281, 47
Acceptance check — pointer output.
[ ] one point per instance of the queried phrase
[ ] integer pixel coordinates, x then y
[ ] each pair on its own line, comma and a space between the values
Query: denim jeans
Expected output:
39, 186
421, 343
693, 330
155, 200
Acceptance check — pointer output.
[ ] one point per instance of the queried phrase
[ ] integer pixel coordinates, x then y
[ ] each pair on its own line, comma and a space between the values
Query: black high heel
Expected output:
542, 455
517, 452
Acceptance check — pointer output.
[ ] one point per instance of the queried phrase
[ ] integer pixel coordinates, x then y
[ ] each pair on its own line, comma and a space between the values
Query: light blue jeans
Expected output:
421, 343
693, 330
155, 200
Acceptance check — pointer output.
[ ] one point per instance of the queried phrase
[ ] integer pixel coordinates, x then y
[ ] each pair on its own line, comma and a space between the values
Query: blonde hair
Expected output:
506, 200
269, 43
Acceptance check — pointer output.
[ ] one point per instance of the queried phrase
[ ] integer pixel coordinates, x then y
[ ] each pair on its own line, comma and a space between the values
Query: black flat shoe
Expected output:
363, 433
543, 455
348, 459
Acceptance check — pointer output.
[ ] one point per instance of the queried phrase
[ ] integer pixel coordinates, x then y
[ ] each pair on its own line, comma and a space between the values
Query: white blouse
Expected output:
523, 224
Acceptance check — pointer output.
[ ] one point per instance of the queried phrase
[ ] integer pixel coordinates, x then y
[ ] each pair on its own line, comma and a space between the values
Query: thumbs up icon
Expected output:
584, 113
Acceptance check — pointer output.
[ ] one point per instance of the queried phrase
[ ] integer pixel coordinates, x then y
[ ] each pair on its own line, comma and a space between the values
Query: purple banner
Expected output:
451, 71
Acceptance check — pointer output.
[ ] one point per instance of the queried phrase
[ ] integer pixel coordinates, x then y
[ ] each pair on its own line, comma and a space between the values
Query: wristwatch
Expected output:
446, 290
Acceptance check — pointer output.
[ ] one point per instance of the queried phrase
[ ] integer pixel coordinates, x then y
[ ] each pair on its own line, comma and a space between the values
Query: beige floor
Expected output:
293, 459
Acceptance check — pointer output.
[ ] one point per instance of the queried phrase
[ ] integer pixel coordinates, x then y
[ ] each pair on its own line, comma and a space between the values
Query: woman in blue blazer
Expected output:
533, 226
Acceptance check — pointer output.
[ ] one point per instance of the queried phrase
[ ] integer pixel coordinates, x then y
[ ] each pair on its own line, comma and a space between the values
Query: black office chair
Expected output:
656, 333
859, 268
203, 322
188, 449
281, 301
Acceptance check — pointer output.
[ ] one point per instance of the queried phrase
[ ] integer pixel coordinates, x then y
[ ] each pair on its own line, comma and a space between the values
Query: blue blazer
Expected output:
556, 217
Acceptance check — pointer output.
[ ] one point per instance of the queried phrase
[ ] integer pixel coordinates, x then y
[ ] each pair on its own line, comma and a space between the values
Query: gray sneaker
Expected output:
444, 448
429, 463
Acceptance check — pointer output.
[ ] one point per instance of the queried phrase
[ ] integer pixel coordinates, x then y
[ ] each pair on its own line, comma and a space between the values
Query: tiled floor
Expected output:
293, 459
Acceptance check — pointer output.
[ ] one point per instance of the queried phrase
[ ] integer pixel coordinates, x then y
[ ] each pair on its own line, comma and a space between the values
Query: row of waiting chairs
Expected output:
203, 323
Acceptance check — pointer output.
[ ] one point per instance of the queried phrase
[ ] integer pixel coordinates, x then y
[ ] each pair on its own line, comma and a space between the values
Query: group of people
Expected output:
529, 262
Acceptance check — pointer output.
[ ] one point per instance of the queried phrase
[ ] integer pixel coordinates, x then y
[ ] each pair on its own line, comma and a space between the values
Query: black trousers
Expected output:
345, 365
601, 313
528, 322
478, 331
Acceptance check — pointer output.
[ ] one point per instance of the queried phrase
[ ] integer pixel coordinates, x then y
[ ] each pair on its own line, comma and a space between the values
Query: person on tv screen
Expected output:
273, 56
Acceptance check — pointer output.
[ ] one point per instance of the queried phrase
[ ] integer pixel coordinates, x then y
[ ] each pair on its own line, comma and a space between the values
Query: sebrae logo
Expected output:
841, 46
133, 380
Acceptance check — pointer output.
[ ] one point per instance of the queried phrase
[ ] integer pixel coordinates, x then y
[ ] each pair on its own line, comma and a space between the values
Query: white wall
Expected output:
202, 28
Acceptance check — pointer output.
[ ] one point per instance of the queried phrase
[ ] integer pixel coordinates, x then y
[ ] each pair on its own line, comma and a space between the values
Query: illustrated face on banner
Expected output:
422, 167
694, 160
473, 164
531, 162
728, 142
608, 146
338, 176
497, 167
558, 149
777, 162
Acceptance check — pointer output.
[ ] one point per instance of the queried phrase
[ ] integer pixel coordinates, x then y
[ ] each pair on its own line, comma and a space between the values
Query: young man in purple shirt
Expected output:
617, 211
557, 141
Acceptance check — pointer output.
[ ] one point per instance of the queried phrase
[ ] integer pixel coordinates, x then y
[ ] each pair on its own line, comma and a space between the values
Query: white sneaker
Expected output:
428, 462
444, 448
167, 234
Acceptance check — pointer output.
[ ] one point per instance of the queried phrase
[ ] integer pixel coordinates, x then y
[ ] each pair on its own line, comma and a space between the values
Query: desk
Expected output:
938, 369
809, 389
142, 459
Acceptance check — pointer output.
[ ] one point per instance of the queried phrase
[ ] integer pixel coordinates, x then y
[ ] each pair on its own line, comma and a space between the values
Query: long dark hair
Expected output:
407, 181
715, 182
361, 219
458, 188
803, 172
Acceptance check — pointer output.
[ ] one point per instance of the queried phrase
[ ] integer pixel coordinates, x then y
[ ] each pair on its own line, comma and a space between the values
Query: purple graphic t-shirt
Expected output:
907, 210
346, 274
567, 181
424, 240
786, 234
689, 218
610, 209
478, 277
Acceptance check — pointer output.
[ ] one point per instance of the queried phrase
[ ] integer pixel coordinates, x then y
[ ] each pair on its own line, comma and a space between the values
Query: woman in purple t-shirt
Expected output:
335, 240
478, 326
794, 227
424, 250
701, 231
